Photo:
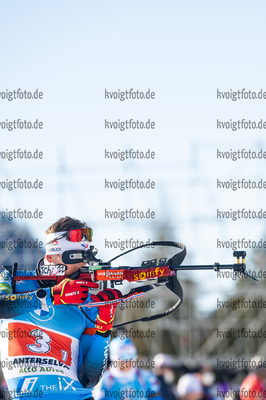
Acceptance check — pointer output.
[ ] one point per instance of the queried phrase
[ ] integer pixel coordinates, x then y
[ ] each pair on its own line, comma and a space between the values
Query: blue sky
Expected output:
183, 51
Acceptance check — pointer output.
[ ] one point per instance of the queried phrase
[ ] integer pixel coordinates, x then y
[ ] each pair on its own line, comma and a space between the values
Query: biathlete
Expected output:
49, 348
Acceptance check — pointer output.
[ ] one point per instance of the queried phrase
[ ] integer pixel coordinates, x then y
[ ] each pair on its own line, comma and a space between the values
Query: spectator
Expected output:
253, 386
163, 365
189, 387
124, 380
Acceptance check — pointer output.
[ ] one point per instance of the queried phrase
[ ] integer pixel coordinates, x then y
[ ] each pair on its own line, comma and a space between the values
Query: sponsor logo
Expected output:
52, 270
149, 274
110, 274
43, 314
55, 249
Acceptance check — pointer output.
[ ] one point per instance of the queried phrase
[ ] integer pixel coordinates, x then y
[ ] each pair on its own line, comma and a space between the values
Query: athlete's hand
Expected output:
105, 317
71, 292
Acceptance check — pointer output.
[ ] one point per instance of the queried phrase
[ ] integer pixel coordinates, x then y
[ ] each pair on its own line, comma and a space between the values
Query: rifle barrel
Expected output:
207, 267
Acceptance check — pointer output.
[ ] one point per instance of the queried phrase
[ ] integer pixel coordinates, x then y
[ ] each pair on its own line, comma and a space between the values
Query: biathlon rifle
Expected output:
163, 272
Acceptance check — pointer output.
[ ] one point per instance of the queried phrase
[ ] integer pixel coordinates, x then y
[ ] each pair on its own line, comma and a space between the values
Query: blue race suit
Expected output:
45, 348
133, 384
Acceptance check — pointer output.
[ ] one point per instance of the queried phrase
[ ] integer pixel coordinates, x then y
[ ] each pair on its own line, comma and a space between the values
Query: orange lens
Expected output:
76, 235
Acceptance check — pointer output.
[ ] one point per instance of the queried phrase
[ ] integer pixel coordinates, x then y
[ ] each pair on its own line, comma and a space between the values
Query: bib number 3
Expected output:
41, 343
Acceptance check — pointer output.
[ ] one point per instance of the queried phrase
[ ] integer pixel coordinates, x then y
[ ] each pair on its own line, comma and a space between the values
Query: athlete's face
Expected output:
71, 268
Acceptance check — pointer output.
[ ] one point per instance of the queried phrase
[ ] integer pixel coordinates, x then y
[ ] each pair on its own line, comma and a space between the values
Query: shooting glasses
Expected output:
75, 235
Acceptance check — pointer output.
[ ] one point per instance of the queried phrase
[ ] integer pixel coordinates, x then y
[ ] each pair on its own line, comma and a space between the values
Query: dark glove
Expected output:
105, 317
